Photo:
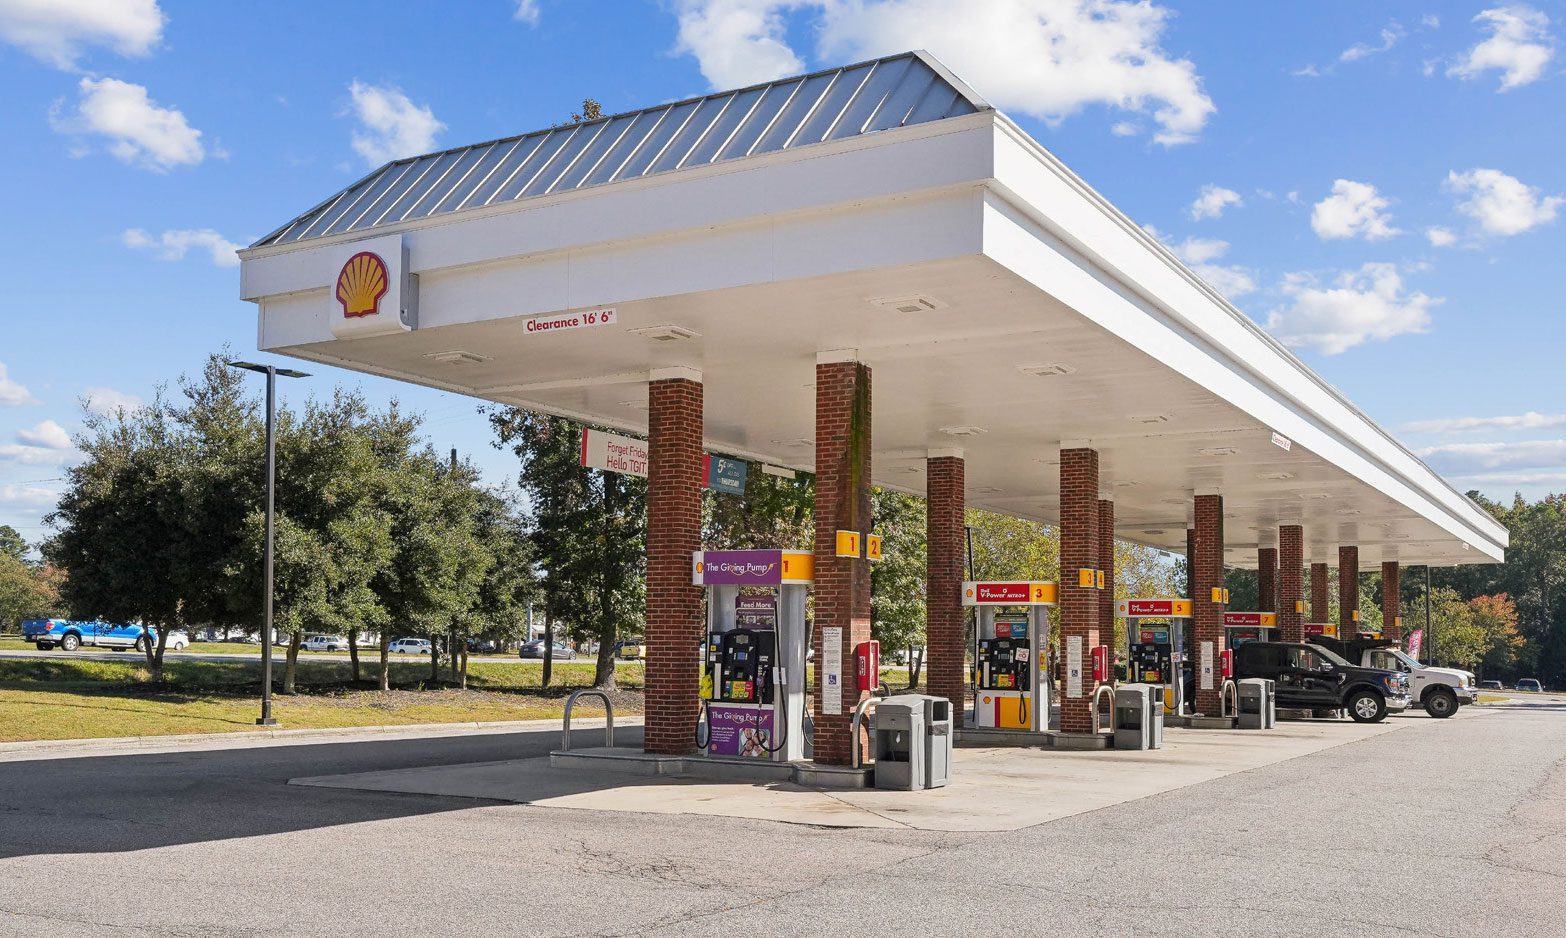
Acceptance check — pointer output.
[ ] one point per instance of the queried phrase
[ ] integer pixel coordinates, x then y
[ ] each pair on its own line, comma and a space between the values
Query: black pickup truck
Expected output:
1310, 677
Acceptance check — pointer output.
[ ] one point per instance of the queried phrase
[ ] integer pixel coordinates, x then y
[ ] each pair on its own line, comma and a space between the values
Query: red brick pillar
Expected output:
674, 620
1291, 575
1106, 563
944, 618
1208, 615
842, 587
1320, 594
1267, 579
1348, 591
1079, 605
1391, 600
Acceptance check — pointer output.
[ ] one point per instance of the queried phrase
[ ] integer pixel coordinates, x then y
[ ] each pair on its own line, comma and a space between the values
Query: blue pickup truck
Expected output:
70, 635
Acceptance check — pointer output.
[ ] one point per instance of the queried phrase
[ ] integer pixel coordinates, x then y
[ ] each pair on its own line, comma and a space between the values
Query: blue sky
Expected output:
1376, 183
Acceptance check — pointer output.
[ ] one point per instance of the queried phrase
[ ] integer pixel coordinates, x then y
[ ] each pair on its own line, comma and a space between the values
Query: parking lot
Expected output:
1434, 827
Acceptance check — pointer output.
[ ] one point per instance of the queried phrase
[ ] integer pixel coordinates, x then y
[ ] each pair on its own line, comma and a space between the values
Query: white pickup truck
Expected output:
1441, 691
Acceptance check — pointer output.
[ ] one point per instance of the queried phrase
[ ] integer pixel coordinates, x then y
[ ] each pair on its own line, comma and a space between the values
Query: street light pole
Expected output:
271, 372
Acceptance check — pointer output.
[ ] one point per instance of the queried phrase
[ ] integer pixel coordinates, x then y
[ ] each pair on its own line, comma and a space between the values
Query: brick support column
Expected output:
1267, 579
1207, 621
1106, 563
1320, 594
1291, 576
1391, 600
674, 620
1079, 605
944, 618
1348, 591
842, 587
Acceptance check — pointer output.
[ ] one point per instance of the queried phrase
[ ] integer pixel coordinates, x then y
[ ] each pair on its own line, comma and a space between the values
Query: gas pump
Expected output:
1242, 627
753, 659
1156, 652
1011, 683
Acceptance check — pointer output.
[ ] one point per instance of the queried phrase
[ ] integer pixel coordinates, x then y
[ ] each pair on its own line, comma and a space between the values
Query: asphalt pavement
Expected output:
1447, 828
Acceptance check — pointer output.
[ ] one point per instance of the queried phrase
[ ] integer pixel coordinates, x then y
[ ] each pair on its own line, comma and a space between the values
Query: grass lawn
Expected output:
65, 698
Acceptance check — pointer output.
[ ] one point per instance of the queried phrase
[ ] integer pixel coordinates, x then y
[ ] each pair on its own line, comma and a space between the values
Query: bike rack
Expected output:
1229, 686
565, 734
859, 719
1101, 691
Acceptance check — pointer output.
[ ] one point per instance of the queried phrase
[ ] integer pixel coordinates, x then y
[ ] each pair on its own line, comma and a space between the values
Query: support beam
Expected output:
1391, 600
1291, 576
1320, 594
842, 586
674, 620
1348, 591
1267, 579
944, 618
1207, 619
1079, 604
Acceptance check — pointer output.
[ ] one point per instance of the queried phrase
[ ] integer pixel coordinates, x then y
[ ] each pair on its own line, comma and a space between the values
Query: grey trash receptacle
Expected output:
898, 731
1270, 709
1253, 704
1155, 716
1133, 717
939, 738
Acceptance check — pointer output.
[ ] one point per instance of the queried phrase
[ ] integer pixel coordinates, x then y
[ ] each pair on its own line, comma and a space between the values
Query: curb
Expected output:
110, 742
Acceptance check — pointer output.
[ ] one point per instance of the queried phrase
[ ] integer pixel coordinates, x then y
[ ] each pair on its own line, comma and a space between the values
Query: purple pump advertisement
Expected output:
740, 731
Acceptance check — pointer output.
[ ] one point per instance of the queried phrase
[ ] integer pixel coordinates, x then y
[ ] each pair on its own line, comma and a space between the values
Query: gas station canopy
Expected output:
883, 211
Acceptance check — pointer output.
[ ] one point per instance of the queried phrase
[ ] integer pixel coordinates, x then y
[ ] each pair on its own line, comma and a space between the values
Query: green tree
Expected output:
897, 580
12, 544
27, 591
588, 530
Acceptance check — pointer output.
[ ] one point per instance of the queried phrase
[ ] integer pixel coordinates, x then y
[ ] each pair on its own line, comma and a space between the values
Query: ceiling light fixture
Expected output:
913, 303
1047, 370
963, 431
1217, 451
457, 357
665, 333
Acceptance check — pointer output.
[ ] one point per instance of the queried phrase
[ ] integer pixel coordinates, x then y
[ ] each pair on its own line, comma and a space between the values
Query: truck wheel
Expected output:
1440, 703
1367, 706
71, 642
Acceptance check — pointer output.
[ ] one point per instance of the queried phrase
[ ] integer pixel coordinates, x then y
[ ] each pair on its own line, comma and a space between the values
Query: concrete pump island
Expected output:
723, 279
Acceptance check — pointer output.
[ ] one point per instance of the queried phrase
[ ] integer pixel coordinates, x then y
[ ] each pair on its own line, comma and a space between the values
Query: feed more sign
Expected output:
628, 455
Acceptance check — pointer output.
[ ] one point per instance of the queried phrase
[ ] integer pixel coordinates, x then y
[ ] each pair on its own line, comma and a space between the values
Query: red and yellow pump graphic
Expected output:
361, 284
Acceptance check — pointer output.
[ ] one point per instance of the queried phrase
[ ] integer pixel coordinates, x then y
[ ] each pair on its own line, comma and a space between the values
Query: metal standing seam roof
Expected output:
881, 94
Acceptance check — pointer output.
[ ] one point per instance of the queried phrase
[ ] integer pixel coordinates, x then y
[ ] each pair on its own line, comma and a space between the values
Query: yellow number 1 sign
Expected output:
848, 543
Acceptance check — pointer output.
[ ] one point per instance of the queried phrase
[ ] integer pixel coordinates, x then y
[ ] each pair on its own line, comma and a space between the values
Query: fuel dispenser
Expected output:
1011, 643
1156, 652
753, 658
1242, 627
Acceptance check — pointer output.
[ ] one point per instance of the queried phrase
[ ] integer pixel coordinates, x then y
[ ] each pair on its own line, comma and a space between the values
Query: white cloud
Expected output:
108, 401
1201, 250
1519, 46
12, 394
57, 31
22, 496
1527, 454
1360, 305
527, 12
1430, 21
1046, 58
47, 434
1390, 35
1212, 200
34, 455
391, 126
1502, 204
1513, 478
1354, 209
1532, 420
140, 132
1440, 237
174, 243
1199, 254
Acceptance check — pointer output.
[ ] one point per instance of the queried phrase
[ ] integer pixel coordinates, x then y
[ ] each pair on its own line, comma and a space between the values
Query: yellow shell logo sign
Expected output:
361, 284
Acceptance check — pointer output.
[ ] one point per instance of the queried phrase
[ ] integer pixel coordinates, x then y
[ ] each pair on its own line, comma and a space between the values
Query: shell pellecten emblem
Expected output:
361, 284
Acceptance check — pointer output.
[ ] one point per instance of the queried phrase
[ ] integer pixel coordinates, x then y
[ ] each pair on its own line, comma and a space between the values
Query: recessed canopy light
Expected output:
1217, 451
987, 490
1348, 511
634, 405
1047, 369
1153, 531
665, 333
913, 303
1150, 418
1275, 476
796, 442
457, 357
1124, 483
963, 431
1173, 501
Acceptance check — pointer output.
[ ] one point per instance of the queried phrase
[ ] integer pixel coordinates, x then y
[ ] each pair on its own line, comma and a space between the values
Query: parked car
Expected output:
411, 646
485, 646
1311, 677
1440, 691
1491, 685
69, 635
325, 643
535, 649
1530, 684
631, 650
